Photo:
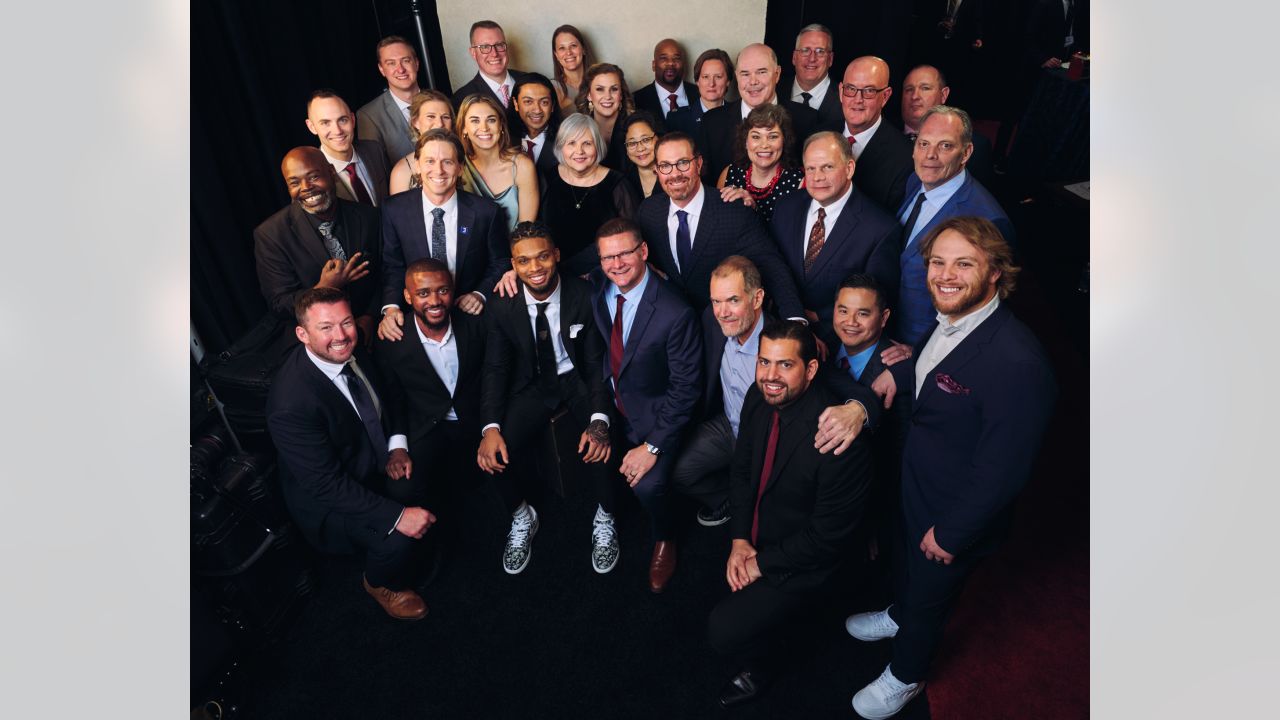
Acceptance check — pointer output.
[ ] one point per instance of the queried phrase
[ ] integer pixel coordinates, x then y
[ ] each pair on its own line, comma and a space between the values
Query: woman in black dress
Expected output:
764, 167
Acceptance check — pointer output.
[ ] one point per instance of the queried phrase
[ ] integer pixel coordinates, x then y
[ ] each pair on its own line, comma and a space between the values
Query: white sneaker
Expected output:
524, 525
885, 696
871, 625
604, 542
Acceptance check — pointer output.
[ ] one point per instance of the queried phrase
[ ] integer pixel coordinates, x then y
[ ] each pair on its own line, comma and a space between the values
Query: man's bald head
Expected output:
864, 75
668, 64
758, 71
309, 178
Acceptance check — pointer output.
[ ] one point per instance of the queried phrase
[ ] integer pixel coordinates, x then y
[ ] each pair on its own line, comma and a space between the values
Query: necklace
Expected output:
577, 201
764, 192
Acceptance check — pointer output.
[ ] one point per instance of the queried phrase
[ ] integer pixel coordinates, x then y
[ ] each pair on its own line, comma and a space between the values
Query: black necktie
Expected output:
911, 219
684, 244
548, 387
807, 97
360, 395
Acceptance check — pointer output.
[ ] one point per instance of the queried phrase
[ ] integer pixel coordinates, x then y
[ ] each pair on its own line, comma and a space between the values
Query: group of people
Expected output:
783, 307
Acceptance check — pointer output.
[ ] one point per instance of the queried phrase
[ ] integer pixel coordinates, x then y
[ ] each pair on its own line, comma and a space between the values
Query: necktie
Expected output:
331, 243
807, 97
817, 236
357, 186
615, 352
548, 386
671, 100
529, 150
506, 96
770, 449
911, 219
684, 246
363, 399
438, 250
844, 363
852, 141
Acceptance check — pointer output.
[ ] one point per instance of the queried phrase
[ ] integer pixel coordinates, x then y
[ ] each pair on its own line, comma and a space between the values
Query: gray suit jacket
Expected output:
380, 119
374, 157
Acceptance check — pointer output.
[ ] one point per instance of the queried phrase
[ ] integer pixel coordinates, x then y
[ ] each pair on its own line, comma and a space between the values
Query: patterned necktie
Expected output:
807, 97
817, 237
357, 186
770, 450
615, 353
911, 219
506, 96
438, 251
548, 387
671, 100
368, 412
331, 243
684, 245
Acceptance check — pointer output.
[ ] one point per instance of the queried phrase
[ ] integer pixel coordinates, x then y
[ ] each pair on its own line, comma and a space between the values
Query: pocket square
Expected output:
948, 385
574, 330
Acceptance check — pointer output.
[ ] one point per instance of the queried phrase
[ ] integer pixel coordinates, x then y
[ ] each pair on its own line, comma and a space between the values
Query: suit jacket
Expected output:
374, 157
477, 86
970, 450
327, 463
811, 504
290, 255
381, 119
724, 229
830, 113
720, 132
510, 356
864, 239
915, 313
416, 398
884, 166
660, 377
483, 251
647, 98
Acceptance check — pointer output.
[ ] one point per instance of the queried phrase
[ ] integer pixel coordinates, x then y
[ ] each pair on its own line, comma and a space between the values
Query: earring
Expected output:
591, 108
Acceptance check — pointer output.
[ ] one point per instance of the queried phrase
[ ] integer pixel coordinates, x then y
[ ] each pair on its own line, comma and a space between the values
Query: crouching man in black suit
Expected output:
323, 414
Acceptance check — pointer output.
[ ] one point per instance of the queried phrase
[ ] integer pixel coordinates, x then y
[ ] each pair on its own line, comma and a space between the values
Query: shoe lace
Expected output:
520, 529
602, 532
891, 687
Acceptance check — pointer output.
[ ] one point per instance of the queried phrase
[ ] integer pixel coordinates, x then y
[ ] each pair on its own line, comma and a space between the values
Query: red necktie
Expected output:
356, 186
529, 151
672, 99
852, 141
615, 353
771, 449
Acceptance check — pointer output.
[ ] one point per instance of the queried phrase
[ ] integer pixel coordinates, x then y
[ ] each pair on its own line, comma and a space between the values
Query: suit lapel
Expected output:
838, 235
968, 349
417, 230
466, 221
416, 355
790, 441
641, 321
706, 225
662, 241
306, 235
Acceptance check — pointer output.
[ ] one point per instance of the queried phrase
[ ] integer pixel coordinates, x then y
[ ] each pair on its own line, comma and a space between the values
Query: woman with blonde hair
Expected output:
493, 167
428, 109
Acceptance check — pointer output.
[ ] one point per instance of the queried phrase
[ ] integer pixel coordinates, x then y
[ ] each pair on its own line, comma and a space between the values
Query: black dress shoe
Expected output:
712, 518
741, 688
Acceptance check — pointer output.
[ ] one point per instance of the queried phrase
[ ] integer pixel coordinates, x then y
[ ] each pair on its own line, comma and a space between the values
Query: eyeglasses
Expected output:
486, 49
639, 142
848, 90
625, 253
816, 52
683, 164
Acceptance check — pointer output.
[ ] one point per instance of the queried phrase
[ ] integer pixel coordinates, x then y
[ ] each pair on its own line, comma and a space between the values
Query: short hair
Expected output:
553, 117
595, 71
739, 265
505, 149
555, 62
984, 235
637, 117
942, 79
316, 296
846, 152
619, 226
485, 24
714, 54
529, 229
427, 265
676, 136
575, 125
766, 116
422, 98
817, 27
392, 40
773, 56
966, 125
775, 329
320, 93
865, 281
442, 135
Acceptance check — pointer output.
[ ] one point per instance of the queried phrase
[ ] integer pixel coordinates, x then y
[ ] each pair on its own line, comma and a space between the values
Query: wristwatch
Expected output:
653, 450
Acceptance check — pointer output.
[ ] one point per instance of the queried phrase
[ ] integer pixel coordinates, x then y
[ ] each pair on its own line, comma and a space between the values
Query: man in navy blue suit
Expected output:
654, 369
982, 391
941, 188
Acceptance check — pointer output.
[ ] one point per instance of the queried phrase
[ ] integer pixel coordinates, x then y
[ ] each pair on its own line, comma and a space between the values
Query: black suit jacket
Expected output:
483, 253
374, 157
811, 504
719, 129
648, 98
477, 86
724, 229
327, 463
290, 255
830, 114
884, 166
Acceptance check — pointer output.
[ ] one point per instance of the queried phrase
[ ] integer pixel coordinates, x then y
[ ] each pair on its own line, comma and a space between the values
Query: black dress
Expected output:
575, 213
784, 183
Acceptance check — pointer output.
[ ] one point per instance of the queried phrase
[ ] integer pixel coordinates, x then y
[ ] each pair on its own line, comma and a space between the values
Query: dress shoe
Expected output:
399, 604
885, 696
741, 687
711, 517
663, 565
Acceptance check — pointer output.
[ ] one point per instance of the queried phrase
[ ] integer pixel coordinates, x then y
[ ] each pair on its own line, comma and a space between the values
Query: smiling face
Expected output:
535, 260
764, 147
494, 63
757, 75
735, 309
920, 91
439, 168
861, 113
640, 140
430, 294
568, 52
534, 104
331, 120
668, 65
433, 114
329, 331
939, 154
810, 69
623, 257
398, 63
858, 320
961, 279
605, 95
827, 175
580, 153
481, 126
713, 82
780, 373
679, 185
309, 179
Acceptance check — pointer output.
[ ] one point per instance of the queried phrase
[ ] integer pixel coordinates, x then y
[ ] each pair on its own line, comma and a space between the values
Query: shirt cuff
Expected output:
482, 296
397, 522
600, 416
398, 442
490, 425
385, 308
803, 320
866, 416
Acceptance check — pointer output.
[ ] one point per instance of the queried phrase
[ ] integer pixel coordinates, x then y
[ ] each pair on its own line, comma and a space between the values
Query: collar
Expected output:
330, 370
967, 323
422, 338
495, 84
679, 92
403, 105
943, 192
836, 205
695, 203
449, 205
819, 89
632, 295
339, 164
530, 300
864, 137
863, 355
742, 104
752, 345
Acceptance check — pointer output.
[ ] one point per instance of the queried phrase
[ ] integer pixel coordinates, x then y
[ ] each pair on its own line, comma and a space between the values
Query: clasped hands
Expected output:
742, 568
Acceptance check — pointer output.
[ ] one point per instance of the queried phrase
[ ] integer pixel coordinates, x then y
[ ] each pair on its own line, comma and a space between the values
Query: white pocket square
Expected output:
574, 330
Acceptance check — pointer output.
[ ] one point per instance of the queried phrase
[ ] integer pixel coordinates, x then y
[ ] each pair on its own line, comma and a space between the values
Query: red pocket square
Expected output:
948, 385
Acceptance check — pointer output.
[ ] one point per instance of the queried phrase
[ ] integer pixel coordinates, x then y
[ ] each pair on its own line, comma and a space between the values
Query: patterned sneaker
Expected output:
518, 551
604, 542
885, 696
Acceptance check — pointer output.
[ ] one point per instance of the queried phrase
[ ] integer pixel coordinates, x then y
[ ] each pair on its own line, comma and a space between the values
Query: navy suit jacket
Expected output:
865, 239
381, 119
660, 378
915, 314
970, 448
483, 253
327, 463
883, 167
724, 229
647, 98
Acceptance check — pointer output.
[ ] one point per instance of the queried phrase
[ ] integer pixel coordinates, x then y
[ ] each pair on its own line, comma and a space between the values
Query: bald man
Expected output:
882, 152
319, 240
669, 91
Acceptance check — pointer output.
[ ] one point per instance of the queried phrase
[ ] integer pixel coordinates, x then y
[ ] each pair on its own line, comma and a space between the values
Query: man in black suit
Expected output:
654, 366
882, 152
794, 509
669, 91
462, 230
323, 413
493, 77
810, 82
758, 73
360, 165
544, 358
319, 240
539, 121
924, 87
690, 230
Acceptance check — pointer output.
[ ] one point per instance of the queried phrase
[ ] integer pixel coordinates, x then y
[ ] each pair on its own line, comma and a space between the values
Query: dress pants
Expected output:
444, 464
748, 624
388, 557
702, 469
651, 491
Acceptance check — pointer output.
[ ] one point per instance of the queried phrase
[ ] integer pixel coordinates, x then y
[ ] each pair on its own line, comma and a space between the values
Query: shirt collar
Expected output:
742, 104
864, 137
863, 355
943, 192
506, 80
817, 90
835, 207
695, 203
752, 345
337, 163
449, 205
553, 298
330, 370
967, 323
402, 104
632, 295
681, 95
422, 337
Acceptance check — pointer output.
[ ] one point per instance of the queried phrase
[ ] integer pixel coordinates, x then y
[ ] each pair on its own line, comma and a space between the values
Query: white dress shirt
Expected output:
539, 143
682, 98
742, 104
861, 139
816, 95
829, 221
450, 208
340, 167
403, 105
496, 87
694, 208
947, 337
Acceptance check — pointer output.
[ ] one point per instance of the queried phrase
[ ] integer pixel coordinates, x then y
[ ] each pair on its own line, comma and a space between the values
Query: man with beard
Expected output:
361, 165
319, 240
669, 91
981, 392
386, 117
540, 119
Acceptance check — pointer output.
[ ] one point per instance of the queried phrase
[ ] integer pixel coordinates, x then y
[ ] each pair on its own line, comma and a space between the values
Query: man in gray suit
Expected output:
386, 117
361, 165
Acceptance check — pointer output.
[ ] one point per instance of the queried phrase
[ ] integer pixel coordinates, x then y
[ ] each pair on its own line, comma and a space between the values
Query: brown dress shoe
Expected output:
663, 565
399, 604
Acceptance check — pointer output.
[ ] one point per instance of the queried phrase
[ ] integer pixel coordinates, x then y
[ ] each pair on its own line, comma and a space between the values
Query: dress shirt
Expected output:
816, 95
738, 372
946, 337
857, 363
450, 208
496, 87
747, 110
694, 208
340, 167
403, 105
833, 214
861, 139
539, 143
443, 355
629, 307
933, 201
682, 98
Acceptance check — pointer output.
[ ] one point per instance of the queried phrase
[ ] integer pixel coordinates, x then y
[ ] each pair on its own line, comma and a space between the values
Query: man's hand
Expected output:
492, 446
595, 441
339, 273
507, 286
885, 387
415, 522
636, 463
472, 303
399, 464
729, 193
736, 571
753, 568
389, 328
838, 427
933, 551
1051, 63
895, 353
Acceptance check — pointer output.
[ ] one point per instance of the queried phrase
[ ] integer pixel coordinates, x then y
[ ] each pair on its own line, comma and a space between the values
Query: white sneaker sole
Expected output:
882, 714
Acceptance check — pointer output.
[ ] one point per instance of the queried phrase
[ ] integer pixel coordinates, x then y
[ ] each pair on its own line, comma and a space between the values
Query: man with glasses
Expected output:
653, 368
811, 84
488, 47
883, 155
